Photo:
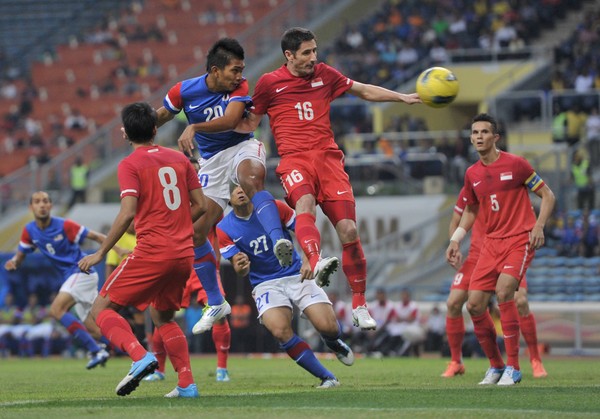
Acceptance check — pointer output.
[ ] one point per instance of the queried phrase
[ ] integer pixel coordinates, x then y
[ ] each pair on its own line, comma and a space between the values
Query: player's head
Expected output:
40, 204
225, 64
484, 117
484, 132
239, 200
139, 122
299, 47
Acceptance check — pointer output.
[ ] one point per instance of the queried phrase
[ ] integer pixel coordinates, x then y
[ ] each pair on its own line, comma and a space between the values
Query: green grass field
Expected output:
277, 388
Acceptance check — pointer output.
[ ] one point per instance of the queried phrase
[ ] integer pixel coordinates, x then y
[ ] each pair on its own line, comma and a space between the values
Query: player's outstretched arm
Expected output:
249, 123
119, 226
374, 93
14, 262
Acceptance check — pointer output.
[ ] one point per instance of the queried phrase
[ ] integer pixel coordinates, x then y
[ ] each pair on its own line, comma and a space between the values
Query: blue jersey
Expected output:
201, 105
59, 242
248, 236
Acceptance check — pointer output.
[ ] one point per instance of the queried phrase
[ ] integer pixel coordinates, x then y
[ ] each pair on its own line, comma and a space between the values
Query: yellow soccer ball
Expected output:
437, 87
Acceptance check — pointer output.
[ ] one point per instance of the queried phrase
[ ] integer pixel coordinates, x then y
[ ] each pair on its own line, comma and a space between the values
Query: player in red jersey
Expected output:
297, 98
221, 333
157, 186
455, 326
497, 187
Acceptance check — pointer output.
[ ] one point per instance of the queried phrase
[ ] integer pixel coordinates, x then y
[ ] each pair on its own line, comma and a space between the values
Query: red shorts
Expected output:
193, 284
462, 278
319, 173
141, 282
510, 256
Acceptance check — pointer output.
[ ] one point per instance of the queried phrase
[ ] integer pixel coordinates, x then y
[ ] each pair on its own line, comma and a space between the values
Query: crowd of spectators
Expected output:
397, 41
575, 233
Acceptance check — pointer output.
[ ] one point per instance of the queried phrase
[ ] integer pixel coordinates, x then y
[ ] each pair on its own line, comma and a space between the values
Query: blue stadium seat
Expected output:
592, 262
577, 270
559, 272
545, 251
574, 261
556, 261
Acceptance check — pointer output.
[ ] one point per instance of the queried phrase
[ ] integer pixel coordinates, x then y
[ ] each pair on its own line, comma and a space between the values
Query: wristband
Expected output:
458, 235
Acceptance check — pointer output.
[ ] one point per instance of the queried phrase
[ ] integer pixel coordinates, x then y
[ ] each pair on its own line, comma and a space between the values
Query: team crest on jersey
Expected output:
506, 176
316, 82
58, 238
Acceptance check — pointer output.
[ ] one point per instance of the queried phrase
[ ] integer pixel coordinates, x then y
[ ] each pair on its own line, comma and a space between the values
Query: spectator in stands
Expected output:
381, 341
80, 173
406, 323
75, 120
569, 238
584, 82
592, 135
582, 179
559, 124
590, 236
436, 329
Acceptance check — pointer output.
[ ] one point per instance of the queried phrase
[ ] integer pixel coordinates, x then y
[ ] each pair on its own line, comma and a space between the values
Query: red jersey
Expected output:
478, 229
298, 107
160, 178
500, 189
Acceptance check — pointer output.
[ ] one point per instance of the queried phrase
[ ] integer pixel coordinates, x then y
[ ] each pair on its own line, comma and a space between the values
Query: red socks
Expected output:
177, 349
118, 331
529, 332
309, 237
159, 350
486, 335
455, 332
221, 334
509, 317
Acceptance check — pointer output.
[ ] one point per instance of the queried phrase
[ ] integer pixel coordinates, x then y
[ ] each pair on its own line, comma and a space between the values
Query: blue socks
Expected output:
205, 265
268, 214
79, 332
300, 352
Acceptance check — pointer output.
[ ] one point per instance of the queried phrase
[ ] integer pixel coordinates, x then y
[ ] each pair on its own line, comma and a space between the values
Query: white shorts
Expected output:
288, 292
217, 172
84, 290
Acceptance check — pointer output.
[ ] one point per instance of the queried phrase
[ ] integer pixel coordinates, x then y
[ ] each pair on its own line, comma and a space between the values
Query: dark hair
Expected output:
484, 117
37, 192
294, 37
139, 120
222, 52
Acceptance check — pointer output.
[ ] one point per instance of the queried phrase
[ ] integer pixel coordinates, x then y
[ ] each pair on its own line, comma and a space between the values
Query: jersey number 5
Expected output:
171, 193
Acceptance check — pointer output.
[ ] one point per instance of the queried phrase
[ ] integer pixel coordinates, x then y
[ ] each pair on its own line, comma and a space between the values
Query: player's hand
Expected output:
453, 255
88, 261
241, 264
411, 98
305, 270
10, 265
186, 140
536, 237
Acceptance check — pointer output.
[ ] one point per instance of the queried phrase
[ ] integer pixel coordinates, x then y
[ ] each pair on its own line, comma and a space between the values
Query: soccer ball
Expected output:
437, 87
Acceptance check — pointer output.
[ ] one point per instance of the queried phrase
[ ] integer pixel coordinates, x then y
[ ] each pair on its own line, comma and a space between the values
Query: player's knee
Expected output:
476, 308
454, 307
281, 333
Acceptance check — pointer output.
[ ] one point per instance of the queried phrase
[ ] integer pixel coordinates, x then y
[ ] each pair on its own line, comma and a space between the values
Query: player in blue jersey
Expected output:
277, 289
213, 104
59, 240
